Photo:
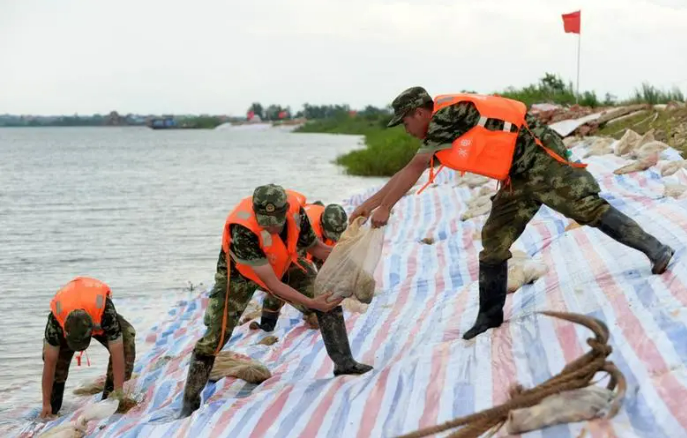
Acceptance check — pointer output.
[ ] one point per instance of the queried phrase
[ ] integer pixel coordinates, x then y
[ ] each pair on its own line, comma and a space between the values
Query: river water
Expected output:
142, 210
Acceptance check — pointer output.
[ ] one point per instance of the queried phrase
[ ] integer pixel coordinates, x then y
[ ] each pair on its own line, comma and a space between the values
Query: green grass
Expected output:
387, 152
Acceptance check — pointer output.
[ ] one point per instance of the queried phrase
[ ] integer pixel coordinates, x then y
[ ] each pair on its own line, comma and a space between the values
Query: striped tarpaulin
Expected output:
424, 372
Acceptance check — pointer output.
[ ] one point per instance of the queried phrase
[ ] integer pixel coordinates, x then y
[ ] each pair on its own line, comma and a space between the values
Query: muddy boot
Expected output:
621, 228
198, 375
493, 281
56, 397
335, 338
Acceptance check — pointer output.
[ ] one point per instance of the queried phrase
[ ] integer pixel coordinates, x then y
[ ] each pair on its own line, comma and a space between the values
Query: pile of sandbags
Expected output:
478, 205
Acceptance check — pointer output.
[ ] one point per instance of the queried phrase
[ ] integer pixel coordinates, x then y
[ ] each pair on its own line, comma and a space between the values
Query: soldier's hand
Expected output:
361, 210
322, 304
380, 217
46, 411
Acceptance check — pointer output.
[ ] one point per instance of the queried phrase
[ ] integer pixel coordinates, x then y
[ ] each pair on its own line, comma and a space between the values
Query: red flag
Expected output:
571, 22
250, 115
282, 114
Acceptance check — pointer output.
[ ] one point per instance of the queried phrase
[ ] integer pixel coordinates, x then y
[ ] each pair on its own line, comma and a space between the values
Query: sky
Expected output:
219, 56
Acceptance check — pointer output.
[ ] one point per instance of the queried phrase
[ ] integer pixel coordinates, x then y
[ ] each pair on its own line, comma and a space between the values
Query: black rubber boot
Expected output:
198, 375
56, 397
268, 321
621, 228
493, 281
333, 329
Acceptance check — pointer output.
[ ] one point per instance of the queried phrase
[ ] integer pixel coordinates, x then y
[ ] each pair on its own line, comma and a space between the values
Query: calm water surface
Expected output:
139, 209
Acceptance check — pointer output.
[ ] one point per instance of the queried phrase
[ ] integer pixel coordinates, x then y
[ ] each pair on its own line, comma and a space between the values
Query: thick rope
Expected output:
577, 374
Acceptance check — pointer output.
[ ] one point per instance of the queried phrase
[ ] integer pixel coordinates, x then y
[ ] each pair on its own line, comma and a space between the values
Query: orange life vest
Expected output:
279, 255
480, 150
301, 197
82, 293
314, 213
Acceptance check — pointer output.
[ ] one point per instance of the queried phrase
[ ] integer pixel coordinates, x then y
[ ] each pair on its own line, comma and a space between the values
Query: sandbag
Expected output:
477, 207
638, 165
77, 428
649, 149
628, 142
523, 270
601, 146
349, 269
565, 407
673, 166
230, 364
473, 180
674, 190
354, 306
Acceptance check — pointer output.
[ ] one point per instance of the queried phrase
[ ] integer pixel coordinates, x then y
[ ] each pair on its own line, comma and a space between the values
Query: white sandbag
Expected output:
649, 149
523, 270
479, 210
354, 306
601, 146
628, 142
638, 165
473, 180
674, 190
673, 166
566, 407
349, 269
77, 428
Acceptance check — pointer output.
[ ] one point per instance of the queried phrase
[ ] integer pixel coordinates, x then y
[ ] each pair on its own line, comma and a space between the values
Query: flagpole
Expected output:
579, 37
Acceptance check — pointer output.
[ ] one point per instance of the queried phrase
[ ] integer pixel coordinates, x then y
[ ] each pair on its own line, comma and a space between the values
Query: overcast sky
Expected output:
218, 56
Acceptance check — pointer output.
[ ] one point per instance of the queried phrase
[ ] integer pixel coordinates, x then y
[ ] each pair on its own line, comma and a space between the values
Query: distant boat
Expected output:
164, 123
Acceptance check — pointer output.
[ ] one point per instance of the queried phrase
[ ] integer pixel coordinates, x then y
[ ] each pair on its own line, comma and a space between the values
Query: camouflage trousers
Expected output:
240, 294
573, 192
65, 358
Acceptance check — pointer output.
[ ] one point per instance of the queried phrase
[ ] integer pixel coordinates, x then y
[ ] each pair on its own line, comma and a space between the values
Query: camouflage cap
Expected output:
269, 205
78, 327
408, 100
334, 221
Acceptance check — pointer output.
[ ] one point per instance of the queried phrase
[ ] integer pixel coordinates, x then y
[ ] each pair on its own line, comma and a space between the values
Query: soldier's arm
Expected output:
307, 239
51, 352
115, 342
446, 125
291, 295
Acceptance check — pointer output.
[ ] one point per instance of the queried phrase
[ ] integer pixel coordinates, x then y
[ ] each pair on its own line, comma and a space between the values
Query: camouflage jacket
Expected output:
54, 335
455, 120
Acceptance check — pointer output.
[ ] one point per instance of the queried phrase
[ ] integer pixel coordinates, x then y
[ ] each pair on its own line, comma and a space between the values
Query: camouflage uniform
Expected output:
245, 248
116, 329
536, 178
334, 222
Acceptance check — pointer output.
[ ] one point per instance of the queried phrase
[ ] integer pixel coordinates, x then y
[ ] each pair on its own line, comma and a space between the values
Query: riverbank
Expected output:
427, 297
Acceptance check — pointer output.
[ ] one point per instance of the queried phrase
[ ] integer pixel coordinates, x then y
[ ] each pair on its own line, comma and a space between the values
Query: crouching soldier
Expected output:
82, 310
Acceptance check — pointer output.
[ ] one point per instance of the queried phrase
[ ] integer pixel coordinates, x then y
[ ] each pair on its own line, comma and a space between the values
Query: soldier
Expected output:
262, 236
328, 223
80, 310
496, 137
